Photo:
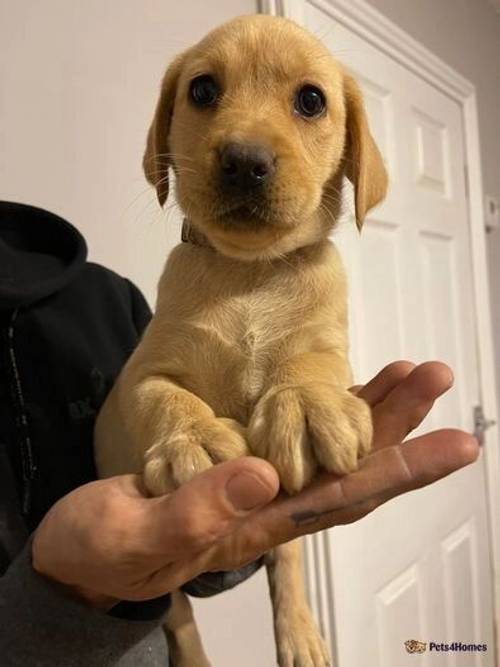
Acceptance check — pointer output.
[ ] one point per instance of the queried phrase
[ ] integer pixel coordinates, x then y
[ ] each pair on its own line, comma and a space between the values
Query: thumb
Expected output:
211, 506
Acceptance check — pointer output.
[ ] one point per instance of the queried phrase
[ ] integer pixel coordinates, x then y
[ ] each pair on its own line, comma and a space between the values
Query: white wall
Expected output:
466, 35
78, 85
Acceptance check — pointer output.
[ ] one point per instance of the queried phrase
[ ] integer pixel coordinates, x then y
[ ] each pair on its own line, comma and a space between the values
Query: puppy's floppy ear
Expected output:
364, 166
156, 161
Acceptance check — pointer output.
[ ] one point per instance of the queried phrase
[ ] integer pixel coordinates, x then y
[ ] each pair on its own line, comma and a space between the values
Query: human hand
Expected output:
107, 541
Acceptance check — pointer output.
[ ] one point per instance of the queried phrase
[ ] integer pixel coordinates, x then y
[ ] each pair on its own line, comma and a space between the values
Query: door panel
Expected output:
418, 568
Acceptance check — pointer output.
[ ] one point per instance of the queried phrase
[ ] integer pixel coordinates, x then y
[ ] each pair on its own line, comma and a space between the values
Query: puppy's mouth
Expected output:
249, 214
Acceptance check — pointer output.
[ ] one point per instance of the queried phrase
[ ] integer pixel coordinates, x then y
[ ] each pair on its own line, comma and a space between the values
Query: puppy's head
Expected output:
260, 124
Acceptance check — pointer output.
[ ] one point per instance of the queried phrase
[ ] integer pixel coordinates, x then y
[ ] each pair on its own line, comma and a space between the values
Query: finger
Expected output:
405, 407
207, 508
382, 476
333, 501
392, 471
384, 382
450, 450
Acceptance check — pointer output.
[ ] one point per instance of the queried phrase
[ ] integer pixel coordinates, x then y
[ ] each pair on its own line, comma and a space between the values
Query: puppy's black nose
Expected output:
244, 167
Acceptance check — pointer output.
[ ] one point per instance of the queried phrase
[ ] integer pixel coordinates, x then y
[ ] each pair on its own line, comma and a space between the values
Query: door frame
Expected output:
362, 19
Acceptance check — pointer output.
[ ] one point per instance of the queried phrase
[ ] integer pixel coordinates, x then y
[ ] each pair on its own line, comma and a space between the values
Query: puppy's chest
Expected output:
240, 341
259, 327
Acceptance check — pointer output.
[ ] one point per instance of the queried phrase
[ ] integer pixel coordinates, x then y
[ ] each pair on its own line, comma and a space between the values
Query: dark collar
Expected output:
40, 253
191, 235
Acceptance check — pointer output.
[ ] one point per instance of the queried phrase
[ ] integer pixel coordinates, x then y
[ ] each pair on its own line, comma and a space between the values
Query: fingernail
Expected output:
246, 491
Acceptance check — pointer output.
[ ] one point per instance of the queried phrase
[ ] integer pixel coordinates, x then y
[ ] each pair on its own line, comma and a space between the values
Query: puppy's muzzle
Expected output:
245, 168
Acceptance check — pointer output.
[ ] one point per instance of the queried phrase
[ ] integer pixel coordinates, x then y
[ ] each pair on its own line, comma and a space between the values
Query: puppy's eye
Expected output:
204, 91
310, 101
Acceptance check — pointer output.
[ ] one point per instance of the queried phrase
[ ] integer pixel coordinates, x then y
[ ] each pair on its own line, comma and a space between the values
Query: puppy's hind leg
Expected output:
184, 641
298, 641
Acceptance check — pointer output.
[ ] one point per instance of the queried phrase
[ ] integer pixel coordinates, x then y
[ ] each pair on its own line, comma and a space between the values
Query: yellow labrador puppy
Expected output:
247, 351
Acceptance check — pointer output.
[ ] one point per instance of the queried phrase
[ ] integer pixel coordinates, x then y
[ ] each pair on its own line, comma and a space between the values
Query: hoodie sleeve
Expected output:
41, 625
212, 583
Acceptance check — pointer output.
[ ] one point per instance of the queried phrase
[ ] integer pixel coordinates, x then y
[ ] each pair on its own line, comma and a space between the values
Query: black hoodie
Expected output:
67, 327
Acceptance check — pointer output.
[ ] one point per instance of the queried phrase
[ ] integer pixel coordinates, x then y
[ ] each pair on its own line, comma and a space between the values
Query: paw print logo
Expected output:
414, 646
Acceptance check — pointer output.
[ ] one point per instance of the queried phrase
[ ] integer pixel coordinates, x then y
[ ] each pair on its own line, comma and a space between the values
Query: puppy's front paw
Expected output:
298, 641
298, 429
187, 452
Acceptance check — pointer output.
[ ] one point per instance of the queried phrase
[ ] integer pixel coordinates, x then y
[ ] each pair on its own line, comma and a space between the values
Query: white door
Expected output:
418, 568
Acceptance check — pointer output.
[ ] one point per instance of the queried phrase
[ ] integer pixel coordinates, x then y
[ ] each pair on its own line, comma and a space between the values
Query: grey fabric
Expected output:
212, 583
41, 626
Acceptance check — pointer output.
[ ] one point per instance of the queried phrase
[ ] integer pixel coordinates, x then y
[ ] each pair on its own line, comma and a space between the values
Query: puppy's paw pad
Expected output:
340, 425
300, 428
224, 439
278, 433
185, 454
166, 469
